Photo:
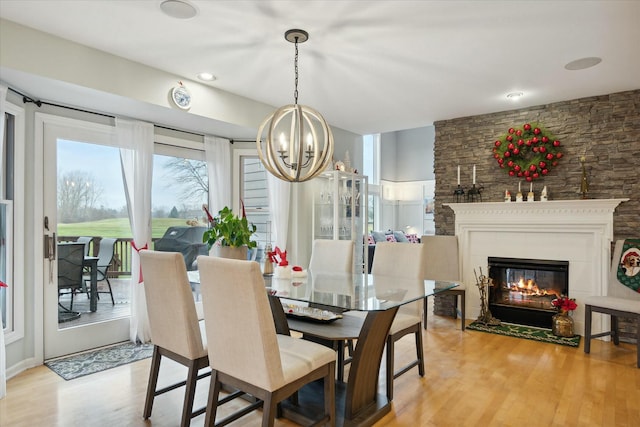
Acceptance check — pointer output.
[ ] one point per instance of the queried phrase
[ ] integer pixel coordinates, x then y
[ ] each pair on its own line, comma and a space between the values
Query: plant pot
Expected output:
562, 325
239, 252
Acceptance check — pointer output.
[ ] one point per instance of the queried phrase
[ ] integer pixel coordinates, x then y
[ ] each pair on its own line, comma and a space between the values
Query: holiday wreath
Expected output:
528, 151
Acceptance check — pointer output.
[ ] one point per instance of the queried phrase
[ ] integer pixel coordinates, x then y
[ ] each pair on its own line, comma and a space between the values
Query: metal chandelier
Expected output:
295, 143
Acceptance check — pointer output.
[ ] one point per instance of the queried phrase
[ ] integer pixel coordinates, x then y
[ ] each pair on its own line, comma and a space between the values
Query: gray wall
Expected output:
407, 155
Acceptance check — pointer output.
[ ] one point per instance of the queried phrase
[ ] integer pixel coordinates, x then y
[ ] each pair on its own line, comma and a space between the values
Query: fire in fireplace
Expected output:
523, 289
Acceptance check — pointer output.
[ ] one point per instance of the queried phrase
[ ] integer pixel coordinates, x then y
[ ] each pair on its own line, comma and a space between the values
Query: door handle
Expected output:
50, 247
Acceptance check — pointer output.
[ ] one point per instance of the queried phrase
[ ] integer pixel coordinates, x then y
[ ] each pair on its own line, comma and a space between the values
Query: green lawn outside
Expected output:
116, 227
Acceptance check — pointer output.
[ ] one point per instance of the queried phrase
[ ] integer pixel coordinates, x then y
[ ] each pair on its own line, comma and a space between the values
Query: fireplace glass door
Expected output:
523, 289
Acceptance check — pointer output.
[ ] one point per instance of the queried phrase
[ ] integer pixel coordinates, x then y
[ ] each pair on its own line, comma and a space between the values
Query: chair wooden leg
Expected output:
462, 311
587, 329
425, 310
269, 409
419, 351
390, 363
341, 357
615, 335
153, 381
212, 401
329, 392
189, 394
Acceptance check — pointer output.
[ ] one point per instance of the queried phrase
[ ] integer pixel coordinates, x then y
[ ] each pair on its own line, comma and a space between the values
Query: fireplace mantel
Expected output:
578, 231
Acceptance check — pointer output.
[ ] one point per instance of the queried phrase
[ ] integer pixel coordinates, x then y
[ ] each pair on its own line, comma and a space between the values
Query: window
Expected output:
255, 196
371, 168
180, 186
12, 155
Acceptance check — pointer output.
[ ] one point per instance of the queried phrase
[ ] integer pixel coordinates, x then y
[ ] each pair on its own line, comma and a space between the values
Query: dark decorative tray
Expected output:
309, 314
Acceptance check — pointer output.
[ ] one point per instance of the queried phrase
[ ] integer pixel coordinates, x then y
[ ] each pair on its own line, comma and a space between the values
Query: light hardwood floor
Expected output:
472, 379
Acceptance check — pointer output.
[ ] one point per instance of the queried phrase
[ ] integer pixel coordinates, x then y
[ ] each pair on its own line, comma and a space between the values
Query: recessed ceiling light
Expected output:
207, 77
180, 9
583, 63
515, 95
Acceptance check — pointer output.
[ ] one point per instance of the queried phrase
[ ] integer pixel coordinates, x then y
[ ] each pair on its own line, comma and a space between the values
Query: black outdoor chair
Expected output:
70, 270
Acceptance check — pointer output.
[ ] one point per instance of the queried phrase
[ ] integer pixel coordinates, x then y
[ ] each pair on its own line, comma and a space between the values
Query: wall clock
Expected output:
181, 96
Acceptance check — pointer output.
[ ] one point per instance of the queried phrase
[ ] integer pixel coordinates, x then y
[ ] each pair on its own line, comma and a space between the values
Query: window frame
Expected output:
374, 186
15, 329
238, 174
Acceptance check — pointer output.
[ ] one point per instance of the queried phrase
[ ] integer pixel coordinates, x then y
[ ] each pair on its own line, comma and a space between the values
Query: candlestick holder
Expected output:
458, 194
475, 194
584, 183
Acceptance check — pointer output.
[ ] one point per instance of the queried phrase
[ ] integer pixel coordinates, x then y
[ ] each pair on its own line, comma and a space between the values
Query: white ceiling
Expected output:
369, 66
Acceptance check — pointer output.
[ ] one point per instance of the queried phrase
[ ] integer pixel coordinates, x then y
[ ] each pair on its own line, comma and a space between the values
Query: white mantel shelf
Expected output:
578, 231
551, 206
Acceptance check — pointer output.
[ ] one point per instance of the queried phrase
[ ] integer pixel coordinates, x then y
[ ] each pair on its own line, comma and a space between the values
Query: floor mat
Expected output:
90, 362
526, 332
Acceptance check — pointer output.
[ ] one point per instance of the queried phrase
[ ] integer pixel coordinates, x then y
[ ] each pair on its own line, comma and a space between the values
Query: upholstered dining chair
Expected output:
401, 260
175, 331
334, 256
442, 263
405, 261
244, 350
621, 301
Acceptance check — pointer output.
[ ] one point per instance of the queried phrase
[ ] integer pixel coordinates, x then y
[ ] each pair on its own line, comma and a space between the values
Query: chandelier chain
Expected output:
295, 70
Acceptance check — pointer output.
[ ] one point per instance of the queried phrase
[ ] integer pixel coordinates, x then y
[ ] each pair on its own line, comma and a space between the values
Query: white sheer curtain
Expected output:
279, 199
136, 156
3, 355
218, 156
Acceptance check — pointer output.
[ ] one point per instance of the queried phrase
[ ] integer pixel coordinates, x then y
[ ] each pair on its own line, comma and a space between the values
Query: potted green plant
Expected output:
228, 235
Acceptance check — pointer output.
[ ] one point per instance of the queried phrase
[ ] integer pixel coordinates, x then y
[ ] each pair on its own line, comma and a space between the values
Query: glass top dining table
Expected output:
379, 297
361, 292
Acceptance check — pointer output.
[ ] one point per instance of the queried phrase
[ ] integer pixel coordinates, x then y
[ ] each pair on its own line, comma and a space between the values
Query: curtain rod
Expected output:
27, 99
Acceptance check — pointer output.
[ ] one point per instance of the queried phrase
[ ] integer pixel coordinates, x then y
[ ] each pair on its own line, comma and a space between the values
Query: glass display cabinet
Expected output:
340, 211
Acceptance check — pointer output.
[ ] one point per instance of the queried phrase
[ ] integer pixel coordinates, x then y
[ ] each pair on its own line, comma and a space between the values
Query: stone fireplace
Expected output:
579, 232
523, 289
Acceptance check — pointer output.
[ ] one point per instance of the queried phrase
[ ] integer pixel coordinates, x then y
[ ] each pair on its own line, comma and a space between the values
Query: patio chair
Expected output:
105, 257
70, 269
86, 241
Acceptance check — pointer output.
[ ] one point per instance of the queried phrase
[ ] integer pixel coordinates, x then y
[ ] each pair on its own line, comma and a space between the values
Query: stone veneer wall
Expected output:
606, 129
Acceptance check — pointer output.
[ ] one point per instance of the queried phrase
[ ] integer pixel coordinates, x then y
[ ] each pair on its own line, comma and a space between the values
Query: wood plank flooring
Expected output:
472, 379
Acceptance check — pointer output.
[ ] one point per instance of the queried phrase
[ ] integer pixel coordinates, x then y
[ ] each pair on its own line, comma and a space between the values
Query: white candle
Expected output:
458, 174
530, 187
474, 174
519, 188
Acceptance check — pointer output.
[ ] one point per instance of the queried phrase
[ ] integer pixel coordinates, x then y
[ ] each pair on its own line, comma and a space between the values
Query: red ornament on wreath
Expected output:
532, 157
